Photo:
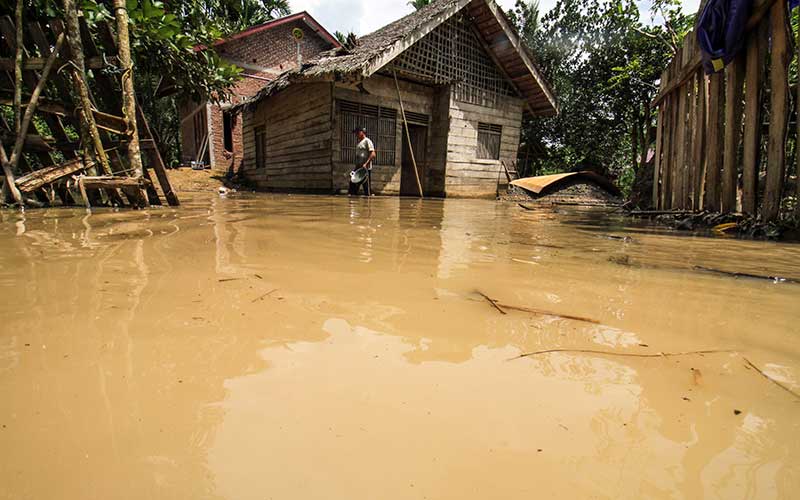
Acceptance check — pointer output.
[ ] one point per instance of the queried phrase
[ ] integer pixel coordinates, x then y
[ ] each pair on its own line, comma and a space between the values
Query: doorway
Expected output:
408, 180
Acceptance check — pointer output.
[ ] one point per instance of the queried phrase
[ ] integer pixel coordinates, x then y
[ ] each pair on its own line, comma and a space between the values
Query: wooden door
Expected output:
419, 139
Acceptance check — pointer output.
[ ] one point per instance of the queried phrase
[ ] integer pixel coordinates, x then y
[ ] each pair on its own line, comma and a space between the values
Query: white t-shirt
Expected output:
363, 149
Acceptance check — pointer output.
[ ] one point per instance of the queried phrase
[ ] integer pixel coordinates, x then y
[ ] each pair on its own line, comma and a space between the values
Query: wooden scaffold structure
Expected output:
79, 135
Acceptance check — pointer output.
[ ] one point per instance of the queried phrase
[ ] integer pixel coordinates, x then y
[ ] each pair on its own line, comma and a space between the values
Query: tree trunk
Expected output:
128, 95
18, 68
90, 136
635, 127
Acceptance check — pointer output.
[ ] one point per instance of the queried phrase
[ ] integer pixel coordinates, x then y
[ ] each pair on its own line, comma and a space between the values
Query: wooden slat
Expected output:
715, 141
699, 141
657, 160
691, 127
734, 80
47, 175
756, 55
779, 112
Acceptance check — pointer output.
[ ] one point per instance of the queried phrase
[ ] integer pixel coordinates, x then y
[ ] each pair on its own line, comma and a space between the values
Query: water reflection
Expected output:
280, 346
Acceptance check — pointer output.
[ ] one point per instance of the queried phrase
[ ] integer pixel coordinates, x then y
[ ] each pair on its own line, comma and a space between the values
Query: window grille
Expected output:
380, 124
261, 146
489, 141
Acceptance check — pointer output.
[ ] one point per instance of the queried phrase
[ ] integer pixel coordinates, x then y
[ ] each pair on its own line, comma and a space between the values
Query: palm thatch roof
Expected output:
377, 49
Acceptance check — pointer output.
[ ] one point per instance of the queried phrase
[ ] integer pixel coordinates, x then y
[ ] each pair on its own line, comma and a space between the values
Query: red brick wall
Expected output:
274, 48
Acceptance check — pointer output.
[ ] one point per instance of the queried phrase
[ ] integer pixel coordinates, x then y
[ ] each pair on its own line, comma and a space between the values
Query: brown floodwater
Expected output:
301, 347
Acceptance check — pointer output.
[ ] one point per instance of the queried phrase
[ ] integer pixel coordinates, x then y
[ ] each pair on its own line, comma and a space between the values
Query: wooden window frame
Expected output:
490, 137
380, 124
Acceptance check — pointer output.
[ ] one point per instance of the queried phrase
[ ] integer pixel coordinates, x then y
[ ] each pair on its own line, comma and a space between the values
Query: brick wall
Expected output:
273, 50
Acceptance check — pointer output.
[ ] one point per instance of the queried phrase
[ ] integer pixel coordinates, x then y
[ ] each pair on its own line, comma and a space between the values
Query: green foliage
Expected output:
604, 64
418, 4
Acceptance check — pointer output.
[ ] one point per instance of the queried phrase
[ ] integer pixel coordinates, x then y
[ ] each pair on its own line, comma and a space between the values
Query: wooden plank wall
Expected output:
298, 149
712, 143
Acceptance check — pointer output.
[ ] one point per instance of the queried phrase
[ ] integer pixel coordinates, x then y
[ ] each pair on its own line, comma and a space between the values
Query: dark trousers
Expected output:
353, 188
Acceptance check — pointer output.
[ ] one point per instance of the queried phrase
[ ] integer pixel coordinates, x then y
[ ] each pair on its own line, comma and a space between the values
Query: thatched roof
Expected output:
378, 48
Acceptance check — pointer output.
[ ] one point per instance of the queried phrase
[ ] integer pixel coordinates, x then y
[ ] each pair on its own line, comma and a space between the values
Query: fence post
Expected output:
779, 111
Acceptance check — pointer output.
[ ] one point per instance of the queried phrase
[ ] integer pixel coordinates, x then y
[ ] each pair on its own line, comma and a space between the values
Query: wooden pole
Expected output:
715, 142
128, 95
18, 67
754, 78
12, 185
408, 135
657, 160
31, 108
734, 78
778, 114
90, 135
698, 142
797, 139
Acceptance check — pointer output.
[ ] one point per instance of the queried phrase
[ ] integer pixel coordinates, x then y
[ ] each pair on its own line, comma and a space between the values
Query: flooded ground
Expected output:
298, 347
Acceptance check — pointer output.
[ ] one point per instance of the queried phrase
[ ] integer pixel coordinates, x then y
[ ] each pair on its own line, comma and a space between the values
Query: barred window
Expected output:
261, 146
489, 141
380, 124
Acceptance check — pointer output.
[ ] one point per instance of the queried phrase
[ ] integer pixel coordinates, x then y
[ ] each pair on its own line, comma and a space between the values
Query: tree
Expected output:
604, 64
418, 4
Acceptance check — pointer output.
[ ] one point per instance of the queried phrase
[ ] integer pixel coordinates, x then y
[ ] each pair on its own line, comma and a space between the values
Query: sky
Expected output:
364, 16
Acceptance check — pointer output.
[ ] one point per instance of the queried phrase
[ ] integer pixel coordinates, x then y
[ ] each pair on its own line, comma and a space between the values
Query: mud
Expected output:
300, 347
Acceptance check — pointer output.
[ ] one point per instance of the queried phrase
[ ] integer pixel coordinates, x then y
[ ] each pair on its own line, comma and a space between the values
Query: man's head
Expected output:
360, 132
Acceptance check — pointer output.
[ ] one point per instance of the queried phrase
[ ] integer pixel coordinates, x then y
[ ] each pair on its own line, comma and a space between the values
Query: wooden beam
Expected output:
734, 81
48, 175
715, 145
699, 141
779, 112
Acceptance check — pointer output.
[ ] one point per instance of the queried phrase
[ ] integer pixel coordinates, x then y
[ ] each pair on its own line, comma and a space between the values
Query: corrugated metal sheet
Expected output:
542, 183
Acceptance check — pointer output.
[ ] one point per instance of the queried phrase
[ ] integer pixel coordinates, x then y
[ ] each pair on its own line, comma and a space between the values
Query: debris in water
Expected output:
261, 297
734, 274
737, 412
697, 376
625, 354
539, 311
754, 367
492, 302
222, 280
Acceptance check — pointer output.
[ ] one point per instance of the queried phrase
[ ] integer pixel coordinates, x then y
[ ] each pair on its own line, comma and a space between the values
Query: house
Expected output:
262, 52
464, 79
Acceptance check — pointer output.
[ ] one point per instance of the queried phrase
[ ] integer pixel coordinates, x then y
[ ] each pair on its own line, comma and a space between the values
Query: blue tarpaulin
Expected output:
721, 30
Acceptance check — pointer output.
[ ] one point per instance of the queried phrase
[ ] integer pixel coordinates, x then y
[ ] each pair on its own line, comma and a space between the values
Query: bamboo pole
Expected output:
16, 153
90, 136
128, 94
778, 115
18, 67
408, 135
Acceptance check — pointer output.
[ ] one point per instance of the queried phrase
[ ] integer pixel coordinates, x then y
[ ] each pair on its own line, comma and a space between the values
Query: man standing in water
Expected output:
365, 154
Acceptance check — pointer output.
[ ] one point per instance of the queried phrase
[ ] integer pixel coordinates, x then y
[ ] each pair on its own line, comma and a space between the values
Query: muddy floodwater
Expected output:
300, 347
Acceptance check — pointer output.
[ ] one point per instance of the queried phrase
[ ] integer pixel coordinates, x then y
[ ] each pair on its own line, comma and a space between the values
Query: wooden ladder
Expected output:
511, 174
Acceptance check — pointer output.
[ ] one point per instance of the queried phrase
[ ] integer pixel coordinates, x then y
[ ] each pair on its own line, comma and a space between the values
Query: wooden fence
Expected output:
718, 134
